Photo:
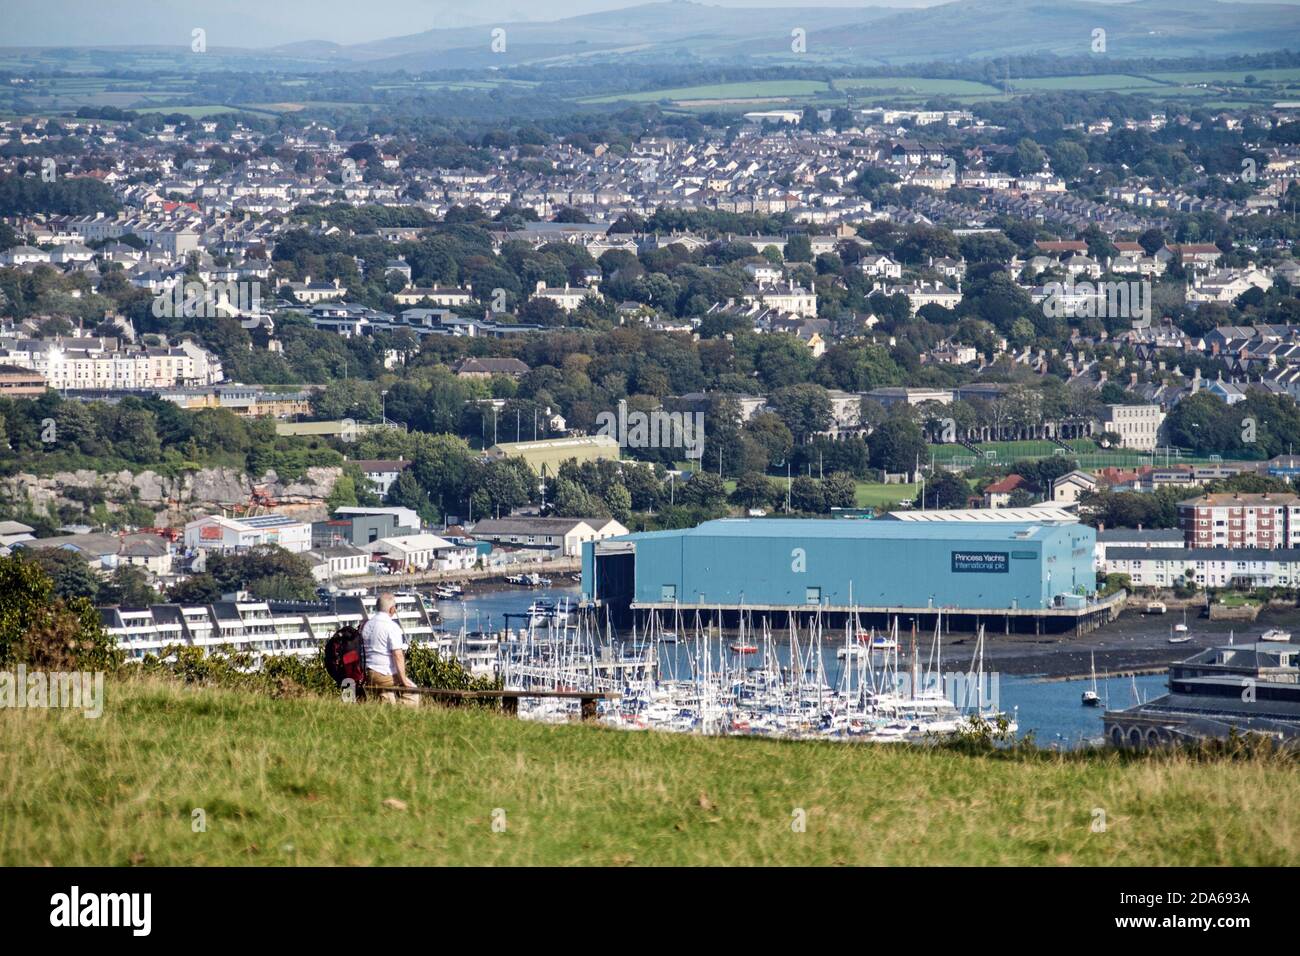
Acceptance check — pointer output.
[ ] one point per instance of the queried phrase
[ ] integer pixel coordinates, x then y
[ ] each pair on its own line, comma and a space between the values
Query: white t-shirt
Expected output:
382, 637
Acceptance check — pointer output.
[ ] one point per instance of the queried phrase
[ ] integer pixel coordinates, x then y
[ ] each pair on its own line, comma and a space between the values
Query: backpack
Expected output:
345, 658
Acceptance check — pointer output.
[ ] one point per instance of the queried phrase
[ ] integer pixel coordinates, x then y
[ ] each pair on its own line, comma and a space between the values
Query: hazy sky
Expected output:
259, 23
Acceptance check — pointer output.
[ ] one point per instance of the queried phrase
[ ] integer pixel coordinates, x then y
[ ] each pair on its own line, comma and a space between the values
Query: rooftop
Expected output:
1237, 499
809, 528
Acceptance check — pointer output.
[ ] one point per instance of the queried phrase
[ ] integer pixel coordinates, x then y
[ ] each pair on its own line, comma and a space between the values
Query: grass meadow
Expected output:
316, 781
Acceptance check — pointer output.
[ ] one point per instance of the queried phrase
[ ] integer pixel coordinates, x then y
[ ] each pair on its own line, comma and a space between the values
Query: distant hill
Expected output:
652, 30
1138, 29
678, 30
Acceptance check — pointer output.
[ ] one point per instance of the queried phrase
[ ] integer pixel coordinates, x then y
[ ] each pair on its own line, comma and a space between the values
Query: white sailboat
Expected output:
1178, 634
1091, 697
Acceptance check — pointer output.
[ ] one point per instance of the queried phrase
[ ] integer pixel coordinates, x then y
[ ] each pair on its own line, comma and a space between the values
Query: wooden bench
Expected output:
509, 698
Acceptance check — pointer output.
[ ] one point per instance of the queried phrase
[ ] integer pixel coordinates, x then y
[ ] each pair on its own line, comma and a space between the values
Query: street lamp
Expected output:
383, 407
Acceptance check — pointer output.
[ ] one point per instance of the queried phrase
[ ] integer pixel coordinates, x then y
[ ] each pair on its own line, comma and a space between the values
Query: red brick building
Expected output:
1234, 520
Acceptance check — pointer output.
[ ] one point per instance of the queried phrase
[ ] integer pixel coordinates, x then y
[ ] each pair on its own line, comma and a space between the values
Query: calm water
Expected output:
487, 611
1050, 709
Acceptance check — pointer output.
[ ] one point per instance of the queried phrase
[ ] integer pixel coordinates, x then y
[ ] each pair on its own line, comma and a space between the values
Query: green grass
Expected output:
756, 89
869, 494
914, 84
1288, 75
872, 494
1086, 452
305, 781
1005, 451
1089, 82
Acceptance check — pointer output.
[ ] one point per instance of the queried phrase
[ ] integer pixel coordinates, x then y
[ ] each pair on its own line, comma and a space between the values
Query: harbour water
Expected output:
1049, 709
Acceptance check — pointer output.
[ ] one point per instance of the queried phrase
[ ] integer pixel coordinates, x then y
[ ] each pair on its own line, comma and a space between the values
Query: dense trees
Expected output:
44, 629
1262, 426
79, 196
267, 572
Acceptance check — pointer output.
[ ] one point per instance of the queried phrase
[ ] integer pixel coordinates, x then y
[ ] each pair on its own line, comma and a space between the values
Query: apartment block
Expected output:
1235, 520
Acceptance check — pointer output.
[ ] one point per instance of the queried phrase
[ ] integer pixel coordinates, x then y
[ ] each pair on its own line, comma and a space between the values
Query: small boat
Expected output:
1156, 607
1180, 640
739, 648
883, 642
1090, 697
668, 637
444, 594
1275, 634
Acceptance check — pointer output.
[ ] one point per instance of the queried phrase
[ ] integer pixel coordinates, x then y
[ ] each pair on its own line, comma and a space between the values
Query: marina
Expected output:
783, 675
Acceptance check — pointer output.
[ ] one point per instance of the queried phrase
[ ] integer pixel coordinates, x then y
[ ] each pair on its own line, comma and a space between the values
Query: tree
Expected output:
841, 490
945, 490
754, 491
798, 248
704, 489
782, 359
573, 501
267, 571
196, 589
343, 494
804, 408
406, 492
897, 445
1068, 159
503, 485
348, 398
68, 571
1028, 158
857, 366
127, 586
806, 494
42, 630
644, 487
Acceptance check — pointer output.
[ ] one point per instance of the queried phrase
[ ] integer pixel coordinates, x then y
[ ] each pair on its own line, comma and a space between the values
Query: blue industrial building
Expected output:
1000, 568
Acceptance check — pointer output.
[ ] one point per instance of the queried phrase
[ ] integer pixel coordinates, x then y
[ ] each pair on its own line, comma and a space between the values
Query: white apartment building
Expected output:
784, 296
65, 365
1137, 425
439, 296
1207, 567
568, 298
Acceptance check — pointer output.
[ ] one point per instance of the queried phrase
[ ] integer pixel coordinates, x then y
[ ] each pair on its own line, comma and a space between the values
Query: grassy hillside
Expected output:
313, 781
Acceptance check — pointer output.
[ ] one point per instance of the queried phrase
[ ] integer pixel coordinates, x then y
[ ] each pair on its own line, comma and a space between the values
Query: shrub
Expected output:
44, 631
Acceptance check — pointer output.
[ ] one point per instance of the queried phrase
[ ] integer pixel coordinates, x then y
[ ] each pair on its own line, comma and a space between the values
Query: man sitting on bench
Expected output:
386, 653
